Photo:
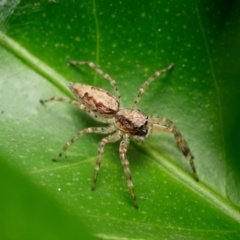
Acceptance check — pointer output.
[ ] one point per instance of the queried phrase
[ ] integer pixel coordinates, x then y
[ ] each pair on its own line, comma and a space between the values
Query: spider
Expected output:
123, 123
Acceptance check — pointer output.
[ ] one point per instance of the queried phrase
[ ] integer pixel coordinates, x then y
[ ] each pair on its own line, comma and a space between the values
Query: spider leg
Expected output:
111, 138
165, 125
79, 105
147, 82
103, 74
101, 130
123, 150
60, 99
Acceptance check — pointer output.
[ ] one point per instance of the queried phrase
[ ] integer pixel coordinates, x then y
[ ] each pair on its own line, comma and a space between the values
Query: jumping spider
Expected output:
123, 123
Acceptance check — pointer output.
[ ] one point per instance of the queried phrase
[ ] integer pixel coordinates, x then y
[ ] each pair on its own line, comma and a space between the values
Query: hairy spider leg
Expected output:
60, 99
125, 163
109, 139
79, 105
163, 124
101, 130
147, 82
103, 74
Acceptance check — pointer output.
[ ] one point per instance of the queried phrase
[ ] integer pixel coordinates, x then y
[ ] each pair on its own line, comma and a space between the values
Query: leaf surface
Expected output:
129, 41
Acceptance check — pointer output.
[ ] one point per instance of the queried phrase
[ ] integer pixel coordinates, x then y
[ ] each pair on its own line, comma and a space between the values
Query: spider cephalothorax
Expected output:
131, 121
123, 123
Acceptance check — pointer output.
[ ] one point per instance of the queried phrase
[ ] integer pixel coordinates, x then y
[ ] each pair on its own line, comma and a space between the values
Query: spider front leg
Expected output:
109, 139
147, 82
123, 150
102, 130
165, 125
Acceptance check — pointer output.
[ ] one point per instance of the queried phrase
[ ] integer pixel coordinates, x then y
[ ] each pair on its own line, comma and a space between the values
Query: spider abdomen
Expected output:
96, 99
131, 121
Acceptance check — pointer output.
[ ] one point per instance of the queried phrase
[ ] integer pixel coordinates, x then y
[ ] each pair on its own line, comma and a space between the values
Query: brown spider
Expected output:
123, 122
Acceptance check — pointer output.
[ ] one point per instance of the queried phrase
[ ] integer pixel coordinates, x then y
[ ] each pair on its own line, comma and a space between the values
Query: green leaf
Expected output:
129, 41
28, 213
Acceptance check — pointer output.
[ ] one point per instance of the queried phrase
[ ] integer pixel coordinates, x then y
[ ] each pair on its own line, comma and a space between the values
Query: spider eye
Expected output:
142, 132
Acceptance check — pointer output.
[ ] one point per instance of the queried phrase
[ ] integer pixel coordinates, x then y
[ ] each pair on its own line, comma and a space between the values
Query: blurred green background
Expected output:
129, 41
